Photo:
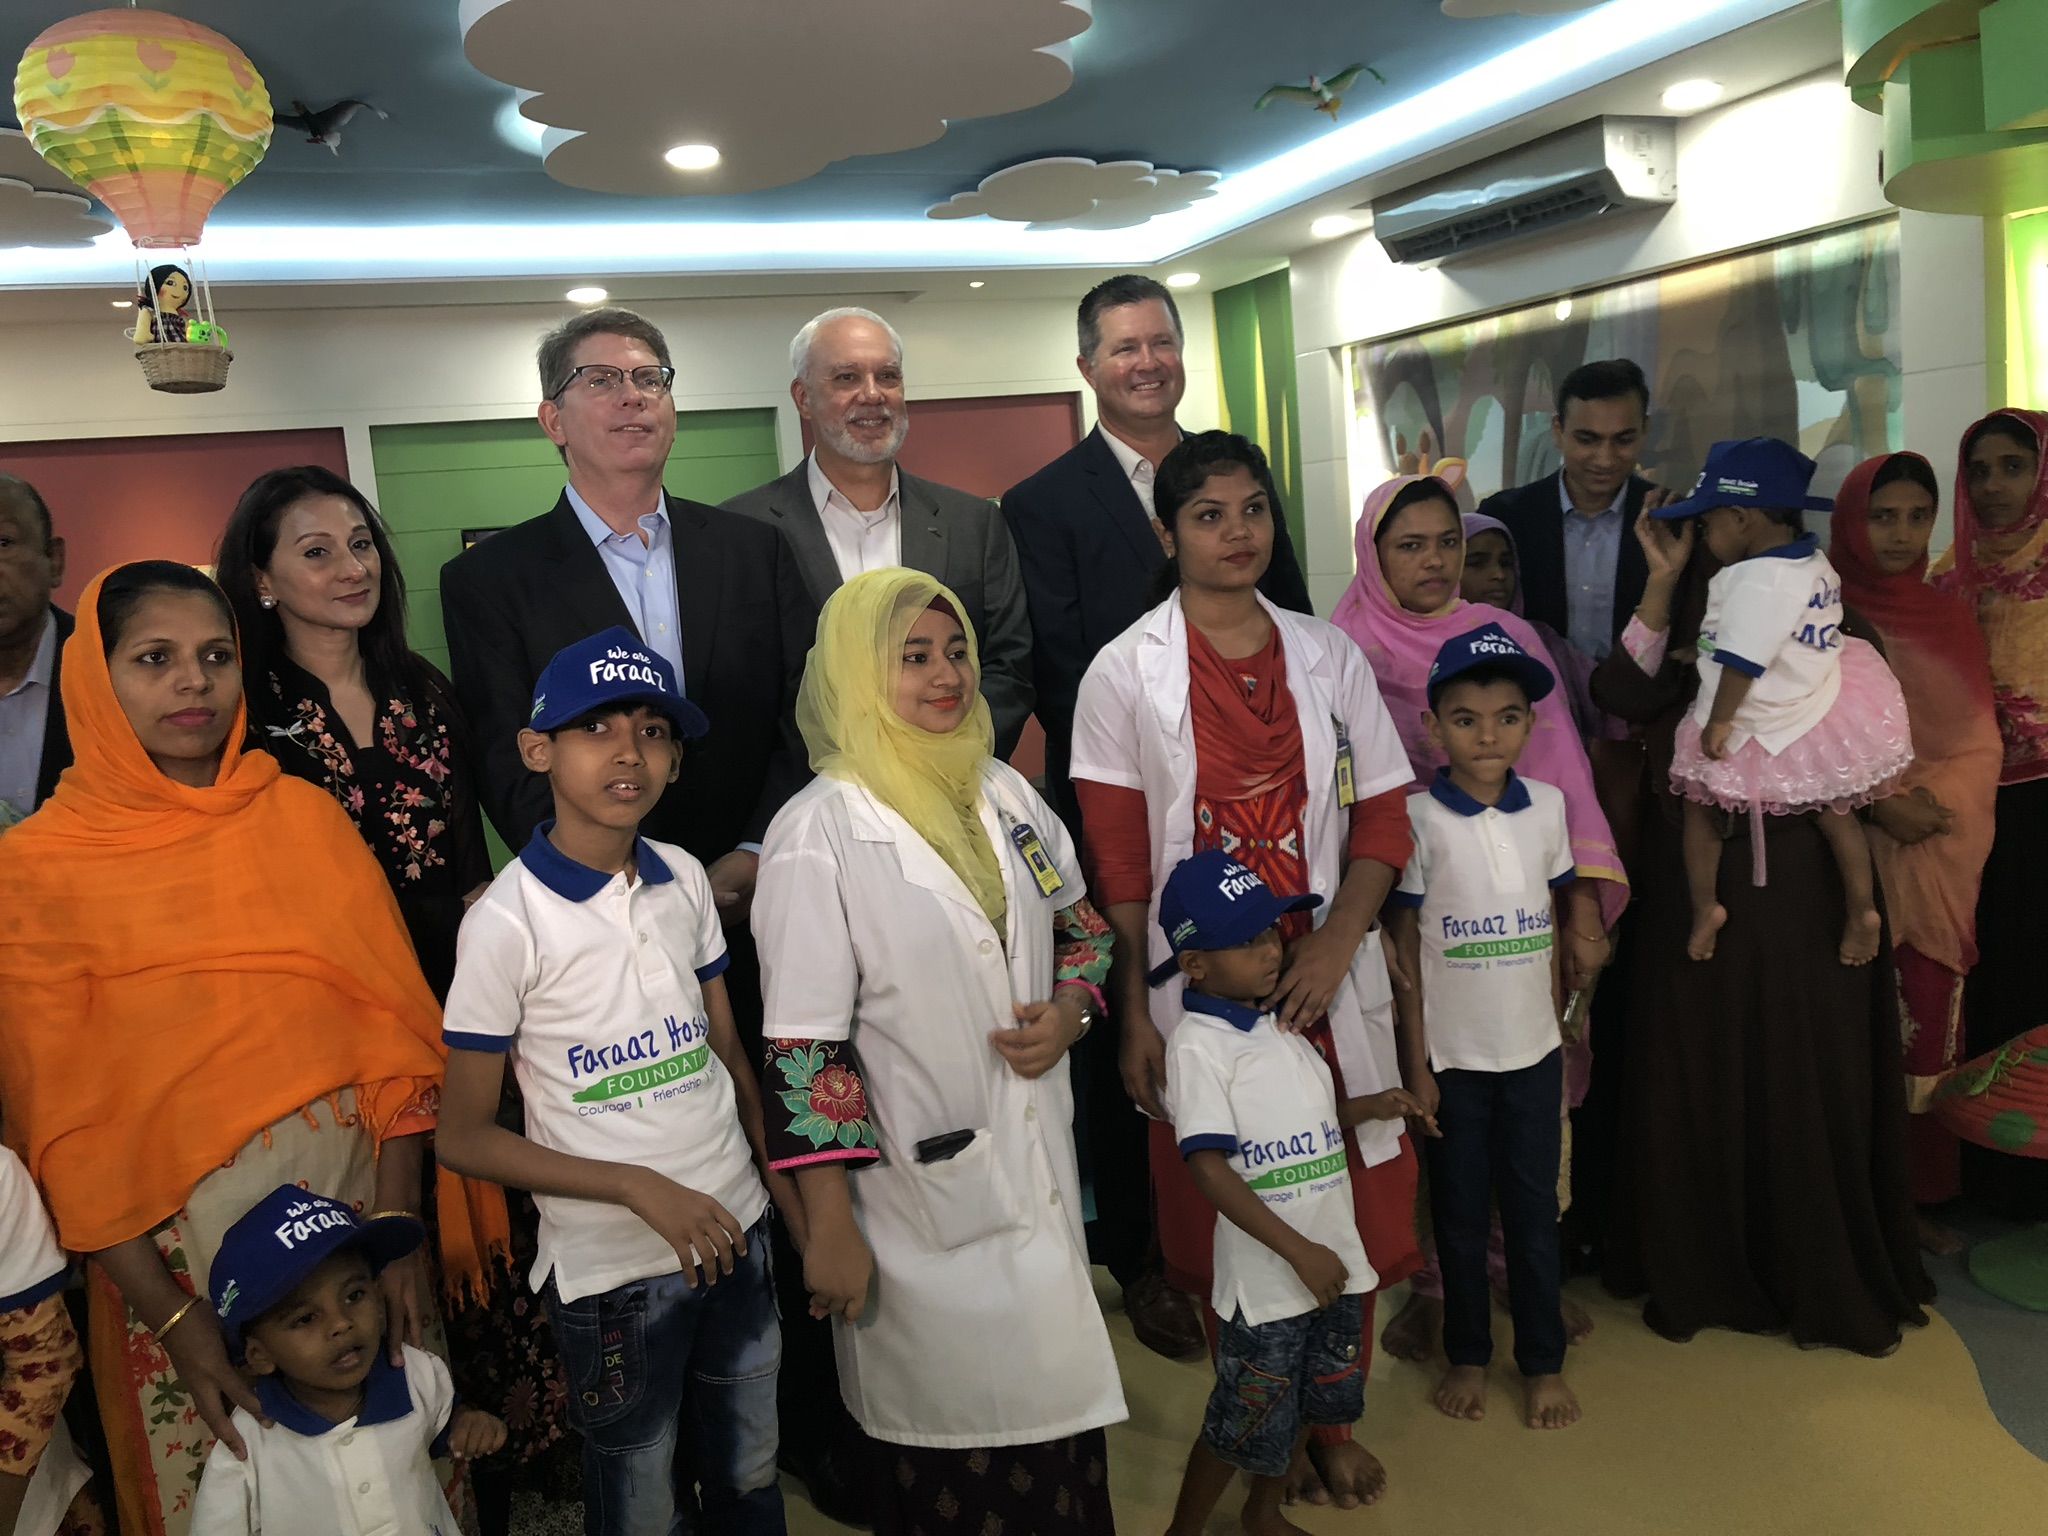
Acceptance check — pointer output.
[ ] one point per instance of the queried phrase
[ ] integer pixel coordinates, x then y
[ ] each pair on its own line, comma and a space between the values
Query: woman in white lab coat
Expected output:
928, 957
1220, 721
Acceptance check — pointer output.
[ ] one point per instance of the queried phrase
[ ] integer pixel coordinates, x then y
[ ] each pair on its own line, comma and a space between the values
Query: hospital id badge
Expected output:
1029, 844
1347, 788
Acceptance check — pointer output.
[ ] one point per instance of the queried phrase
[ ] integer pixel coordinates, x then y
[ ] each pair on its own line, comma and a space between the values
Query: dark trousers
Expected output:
1110, 1142
1501, 1143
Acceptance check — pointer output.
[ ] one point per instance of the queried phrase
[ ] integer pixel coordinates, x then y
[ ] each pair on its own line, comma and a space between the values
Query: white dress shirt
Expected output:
644, 572
861, 541
24, 714
1137, 468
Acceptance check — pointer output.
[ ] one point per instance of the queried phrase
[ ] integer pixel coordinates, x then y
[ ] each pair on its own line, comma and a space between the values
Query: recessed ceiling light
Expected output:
124, 303
1691, 95
1331, 225
1564, 309
693, 157
977, 283
1183, 279
586, 295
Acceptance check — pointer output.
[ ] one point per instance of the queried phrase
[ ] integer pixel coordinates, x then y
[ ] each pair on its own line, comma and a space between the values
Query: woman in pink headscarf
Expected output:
1400, 608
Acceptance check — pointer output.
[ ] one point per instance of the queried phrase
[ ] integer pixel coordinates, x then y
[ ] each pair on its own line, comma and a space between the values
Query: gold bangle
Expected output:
380, 1215
174, 1319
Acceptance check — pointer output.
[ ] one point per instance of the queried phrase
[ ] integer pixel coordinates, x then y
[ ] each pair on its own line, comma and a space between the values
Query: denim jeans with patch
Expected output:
1275, 1379
660, 1358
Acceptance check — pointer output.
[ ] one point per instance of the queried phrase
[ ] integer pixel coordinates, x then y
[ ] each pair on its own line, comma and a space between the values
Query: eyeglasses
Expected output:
602, 379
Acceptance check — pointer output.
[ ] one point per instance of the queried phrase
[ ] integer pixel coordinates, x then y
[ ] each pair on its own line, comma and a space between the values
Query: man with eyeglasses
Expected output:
717, 595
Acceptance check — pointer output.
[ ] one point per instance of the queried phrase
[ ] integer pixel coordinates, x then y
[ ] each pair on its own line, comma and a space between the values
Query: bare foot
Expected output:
1578, 1322
1345, 1474
1859, 937
1940, 1240
1462, 1392
1304, 1484
1706, 929
1416, 1329
1552, 1404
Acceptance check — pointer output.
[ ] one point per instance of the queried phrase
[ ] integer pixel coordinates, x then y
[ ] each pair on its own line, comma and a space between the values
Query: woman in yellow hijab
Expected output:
928, 958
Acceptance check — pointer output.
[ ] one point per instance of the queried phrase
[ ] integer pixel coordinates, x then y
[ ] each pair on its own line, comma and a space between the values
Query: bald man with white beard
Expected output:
849, 508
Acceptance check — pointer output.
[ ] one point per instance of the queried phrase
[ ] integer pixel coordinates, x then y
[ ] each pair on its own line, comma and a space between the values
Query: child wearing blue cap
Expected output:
348, 1437
595, 963
1474, 921
1793, 716
1256, 1117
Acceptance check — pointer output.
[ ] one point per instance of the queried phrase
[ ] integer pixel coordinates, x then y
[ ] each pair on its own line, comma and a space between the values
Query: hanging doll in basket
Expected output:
1793, 716
163, 310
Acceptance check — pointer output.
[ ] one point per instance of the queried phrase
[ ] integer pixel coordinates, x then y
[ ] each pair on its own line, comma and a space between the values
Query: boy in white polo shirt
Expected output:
346, 1443
1473, 921
1256, 1116
594, 961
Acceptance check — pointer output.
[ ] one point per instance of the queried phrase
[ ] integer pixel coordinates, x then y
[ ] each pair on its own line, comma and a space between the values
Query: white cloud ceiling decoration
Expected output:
1472, 10
1072, 192
38, 207
618, 82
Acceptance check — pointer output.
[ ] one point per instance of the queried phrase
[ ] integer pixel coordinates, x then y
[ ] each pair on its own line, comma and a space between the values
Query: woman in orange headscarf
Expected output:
205, 992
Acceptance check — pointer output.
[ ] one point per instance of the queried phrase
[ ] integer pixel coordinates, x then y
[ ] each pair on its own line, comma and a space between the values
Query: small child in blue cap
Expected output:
351, 1436
1256, 1116
1793, 716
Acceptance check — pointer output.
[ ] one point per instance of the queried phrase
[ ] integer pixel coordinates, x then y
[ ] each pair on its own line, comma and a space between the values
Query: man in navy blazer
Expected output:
1090, 548
1582, 572
35, 746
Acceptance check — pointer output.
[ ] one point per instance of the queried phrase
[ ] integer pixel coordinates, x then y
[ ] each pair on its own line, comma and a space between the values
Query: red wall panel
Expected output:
115, 499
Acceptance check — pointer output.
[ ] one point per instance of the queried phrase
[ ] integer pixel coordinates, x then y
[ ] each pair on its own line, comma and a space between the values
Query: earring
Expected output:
268, 602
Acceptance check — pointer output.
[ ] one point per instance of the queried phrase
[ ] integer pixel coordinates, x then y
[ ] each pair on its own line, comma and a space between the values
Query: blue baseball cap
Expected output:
1755, 472
282, 1239
1494, 648
605, 671
1213, 902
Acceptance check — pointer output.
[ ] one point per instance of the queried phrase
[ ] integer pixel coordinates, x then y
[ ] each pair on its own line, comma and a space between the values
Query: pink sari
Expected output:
1402, 645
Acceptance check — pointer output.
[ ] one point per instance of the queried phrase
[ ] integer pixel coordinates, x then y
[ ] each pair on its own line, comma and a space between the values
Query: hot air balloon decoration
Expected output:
158, 118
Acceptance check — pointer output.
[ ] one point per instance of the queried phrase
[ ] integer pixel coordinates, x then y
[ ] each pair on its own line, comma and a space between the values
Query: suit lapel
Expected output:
700, 558
578, 580
921, 535
1119, 500
796, 514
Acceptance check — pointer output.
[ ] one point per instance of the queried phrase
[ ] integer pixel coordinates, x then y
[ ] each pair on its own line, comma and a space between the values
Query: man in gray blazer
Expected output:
848, 508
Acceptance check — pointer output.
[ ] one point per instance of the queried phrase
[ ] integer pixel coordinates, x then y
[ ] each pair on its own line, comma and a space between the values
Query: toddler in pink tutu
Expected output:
1792, 716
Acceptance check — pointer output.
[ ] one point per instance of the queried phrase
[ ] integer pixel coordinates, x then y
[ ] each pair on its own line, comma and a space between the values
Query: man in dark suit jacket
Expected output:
1085, 533
1090, 549
1582, 572
718, 595
849, 508
35, 746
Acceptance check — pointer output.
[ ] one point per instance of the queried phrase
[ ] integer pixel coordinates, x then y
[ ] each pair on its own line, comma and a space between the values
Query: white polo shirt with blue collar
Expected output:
1238, 1084
372, 1475
1483, 878
593, 983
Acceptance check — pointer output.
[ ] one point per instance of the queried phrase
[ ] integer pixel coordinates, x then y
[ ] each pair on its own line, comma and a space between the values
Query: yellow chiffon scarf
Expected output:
846, 710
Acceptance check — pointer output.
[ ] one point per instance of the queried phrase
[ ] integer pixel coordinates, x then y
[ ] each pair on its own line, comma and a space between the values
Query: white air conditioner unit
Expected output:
1602, 166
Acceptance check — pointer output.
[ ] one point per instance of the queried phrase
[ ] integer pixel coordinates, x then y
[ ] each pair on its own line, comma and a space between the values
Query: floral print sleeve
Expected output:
1082, 943
824, 1115
39, 1359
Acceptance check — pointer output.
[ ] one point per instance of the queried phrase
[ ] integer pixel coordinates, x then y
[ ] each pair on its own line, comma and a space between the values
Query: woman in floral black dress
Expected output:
337, 697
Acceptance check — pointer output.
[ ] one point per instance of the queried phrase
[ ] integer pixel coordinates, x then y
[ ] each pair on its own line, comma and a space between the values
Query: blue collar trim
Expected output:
579, 882
386, 1399
1514, 796
1798, 549
1238, 1015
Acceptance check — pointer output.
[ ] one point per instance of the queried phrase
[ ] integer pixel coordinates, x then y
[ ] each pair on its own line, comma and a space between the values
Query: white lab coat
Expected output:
982, 1328
1133, 728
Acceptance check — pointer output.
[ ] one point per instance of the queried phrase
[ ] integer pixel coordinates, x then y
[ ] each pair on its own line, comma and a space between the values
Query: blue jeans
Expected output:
1274, 1379
1501, 1143
658, 1357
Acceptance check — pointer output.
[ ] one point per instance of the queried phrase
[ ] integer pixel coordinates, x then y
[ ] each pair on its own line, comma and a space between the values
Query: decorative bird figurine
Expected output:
1320, 94
324, 126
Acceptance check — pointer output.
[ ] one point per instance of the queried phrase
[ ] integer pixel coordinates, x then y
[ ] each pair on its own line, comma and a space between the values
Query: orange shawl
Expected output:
181, 968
